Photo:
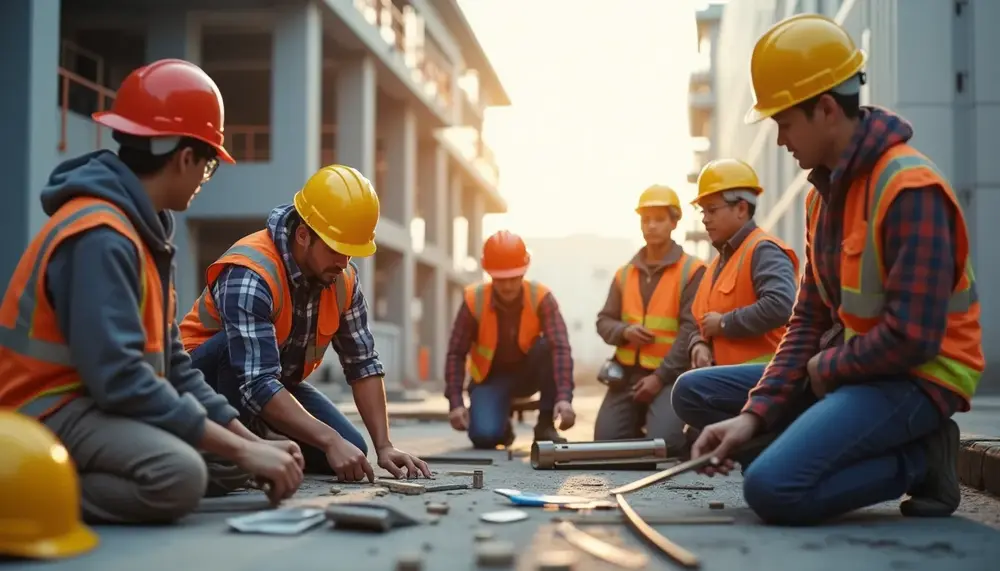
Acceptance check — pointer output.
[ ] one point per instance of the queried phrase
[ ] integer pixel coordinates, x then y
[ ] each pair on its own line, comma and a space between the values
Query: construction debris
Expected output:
716, 505
446, 488
334, 490
438, 509
410, 562
617, 518
556, 561
405, 488
692, 488
483, 535
601, 549
682, 556
504, 516
468, 460
495, 554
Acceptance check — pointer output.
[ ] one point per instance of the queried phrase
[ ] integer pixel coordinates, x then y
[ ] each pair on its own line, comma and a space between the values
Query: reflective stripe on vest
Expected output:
865, 300
19, 338
664, 328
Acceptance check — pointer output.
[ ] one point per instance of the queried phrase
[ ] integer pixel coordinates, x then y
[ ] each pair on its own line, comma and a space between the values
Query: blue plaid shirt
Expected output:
245, 306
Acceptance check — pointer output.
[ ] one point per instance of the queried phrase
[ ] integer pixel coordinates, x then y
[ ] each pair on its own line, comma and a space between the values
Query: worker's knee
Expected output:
687, 398
174, 484
354, 436
486, 437
769, 492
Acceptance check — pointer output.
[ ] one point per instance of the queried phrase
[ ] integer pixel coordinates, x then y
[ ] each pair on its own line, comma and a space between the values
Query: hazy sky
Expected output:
600, 108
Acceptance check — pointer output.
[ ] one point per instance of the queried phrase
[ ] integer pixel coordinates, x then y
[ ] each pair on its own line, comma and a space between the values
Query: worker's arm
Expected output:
678, 359
355, 345
774, 284
189, 380
93, 282
245, 305
554, 329
463, 332
610, 326
918, 239
786, 372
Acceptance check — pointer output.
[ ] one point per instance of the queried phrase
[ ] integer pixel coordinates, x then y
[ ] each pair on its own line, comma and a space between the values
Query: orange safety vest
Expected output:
960, 363
477, 299
660, 316
37, 373
258, 253
734, 290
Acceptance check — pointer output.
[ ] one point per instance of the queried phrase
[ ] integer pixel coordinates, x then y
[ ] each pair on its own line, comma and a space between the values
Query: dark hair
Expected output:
136, 154
850, 104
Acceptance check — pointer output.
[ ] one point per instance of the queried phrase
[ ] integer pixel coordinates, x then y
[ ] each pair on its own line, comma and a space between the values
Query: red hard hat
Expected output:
505, 255
169, 97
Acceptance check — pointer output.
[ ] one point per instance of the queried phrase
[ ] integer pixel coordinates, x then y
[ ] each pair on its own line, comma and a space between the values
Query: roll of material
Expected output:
548, 455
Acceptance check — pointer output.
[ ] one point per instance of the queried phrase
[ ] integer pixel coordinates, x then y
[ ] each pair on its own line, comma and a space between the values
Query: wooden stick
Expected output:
671, 549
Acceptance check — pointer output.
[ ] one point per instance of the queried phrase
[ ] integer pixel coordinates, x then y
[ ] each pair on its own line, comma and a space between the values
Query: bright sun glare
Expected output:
600, 108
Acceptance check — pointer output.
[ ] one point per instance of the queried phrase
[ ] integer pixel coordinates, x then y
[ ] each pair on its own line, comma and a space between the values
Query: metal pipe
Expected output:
546, 455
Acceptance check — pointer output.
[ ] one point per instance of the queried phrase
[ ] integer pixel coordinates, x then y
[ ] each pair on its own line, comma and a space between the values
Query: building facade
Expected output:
929, 60
394, 88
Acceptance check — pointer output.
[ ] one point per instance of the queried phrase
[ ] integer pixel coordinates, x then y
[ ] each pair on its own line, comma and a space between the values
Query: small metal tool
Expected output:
367, 515
477, 479
546, 455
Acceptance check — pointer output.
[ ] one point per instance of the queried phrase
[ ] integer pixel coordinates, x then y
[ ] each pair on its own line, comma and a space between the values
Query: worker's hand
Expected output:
348, 462
395, 460
819, 387
701, 355
272, 465
567, 416
459, 418
638, 335
647, 388
721, 438
711, 324
290, 447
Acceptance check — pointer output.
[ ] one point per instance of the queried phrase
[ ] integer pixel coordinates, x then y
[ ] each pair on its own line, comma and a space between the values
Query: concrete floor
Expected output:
877, 538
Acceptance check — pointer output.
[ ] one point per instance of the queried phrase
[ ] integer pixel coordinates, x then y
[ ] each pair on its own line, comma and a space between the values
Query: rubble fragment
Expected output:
716, 505
405, 488
483, 535
495, 554
410, 562
560, 560
437, 508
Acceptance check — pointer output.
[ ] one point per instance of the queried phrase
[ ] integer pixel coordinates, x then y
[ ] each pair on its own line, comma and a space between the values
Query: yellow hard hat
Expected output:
341, 206
658, 195
39, 493
799, 58
726, 174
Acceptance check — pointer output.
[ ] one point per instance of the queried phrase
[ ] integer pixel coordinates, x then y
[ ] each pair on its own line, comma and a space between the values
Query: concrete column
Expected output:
295, 88
474, 208
441, 321
455, 192
356, 100
29, 33
177, 34
401, 180
433, 195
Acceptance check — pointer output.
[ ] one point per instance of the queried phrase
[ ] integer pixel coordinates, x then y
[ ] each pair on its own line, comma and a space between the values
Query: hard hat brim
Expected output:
506, 274
116, 122
658, 203
352, 250
78, 541
757, 190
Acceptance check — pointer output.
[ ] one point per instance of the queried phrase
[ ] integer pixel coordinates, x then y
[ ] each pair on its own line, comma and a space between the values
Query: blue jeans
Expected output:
858, 446
489, 409
212, 359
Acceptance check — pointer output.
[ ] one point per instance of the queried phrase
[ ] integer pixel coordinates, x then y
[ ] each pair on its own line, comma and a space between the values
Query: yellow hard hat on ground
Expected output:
799, 58
39, 493
658, 195
721, 175
340, 205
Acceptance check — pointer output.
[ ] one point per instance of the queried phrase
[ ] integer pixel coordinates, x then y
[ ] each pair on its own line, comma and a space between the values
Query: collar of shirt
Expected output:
730, 246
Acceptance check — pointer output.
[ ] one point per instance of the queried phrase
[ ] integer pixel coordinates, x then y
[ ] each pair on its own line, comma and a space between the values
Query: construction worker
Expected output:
88, 340
275, 301
39, 494
647, 317
744, 304
888, 258
510, 334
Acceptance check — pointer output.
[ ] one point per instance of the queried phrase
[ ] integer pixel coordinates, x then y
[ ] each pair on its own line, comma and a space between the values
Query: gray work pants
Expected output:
130, 471
621, 418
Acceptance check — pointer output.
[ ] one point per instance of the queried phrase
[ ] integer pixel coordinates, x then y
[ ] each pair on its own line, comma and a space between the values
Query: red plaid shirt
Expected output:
464, 332
918, 246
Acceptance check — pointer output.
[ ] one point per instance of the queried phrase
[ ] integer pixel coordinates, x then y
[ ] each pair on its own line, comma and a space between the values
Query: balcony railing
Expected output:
470, 144
82, 96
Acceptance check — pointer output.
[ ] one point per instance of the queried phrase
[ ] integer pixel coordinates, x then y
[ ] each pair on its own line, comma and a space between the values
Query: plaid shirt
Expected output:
464, 332
918, 249
245, 305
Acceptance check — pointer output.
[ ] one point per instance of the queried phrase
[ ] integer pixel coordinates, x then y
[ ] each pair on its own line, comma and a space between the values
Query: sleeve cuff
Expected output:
764, 408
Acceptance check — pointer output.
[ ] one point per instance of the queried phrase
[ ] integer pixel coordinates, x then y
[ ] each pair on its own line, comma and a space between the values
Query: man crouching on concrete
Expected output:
88, 339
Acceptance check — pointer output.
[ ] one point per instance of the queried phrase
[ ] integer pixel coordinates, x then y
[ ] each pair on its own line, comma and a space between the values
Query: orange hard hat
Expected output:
169, 97
505, 255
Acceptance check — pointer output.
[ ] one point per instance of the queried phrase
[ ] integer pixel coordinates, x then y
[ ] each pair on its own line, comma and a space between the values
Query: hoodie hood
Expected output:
103, 175
280, 224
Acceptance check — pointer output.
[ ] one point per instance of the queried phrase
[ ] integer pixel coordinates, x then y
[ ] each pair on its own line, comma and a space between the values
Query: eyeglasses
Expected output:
711, 210
211, 166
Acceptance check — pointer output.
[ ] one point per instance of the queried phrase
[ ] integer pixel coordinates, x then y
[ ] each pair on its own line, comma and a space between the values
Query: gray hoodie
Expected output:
93, 284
